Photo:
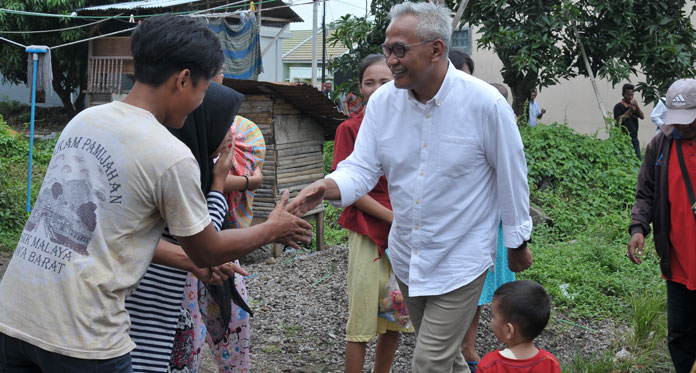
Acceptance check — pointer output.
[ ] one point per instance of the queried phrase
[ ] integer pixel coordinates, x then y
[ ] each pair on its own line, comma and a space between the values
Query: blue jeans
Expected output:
19, 356
681, 328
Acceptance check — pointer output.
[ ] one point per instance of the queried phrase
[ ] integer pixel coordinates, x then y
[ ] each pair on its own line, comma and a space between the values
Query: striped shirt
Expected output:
155, 304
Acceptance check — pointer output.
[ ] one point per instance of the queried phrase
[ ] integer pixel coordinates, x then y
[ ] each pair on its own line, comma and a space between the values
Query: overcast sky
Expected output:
334, 10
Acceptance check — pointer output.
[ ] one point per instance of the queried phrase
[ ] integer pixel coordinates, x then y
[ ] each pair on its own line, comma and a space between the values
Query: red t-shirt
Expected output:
543, 362
682, 232
353, 218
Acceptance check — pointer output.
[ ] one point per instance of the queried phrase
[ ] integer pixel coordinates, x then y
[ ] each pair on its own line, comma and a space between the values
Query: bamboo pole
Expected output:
592, 77
458, 15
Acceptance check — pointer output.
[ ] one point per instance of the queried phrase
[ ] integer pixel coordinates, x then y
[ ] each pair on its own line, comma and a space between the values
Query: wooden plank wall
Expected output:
293, 149
259, 109
299, 140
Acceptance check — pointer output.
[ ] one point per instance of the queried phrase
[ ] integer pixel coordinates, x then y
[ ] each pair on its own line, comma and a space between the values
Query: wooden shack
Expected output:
110, 64
109, 69
295, 119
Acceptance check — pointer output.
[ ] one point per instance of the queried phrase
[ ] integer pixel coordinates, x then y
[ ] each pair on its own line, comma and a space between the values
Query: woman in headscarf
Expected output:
229, 343
155, 307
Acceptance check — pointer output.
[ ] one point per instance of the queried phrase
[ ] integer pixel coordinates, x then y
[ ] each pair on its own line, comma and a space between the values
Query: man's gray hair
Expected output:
434, 21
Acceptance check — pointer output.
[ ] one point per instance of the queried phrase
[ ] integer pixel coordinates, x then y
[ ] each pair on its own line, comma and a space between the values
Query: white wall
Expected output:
572, 101
21, 93
273, 59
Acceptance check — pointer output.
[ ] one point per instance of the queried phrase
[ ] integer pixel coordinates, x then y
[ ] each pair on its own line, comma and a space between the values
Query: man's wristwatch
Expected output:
523, 246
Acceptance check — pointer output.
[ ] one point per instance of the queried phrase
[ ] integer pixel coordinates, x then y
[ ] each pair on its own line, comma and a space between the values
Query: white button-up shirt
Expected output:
659, 114
455, 166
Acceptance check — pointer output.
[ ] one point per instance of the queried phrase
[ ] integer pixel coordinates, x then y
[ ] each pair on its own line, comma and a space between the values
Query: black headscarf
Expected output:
203, 132
206, 127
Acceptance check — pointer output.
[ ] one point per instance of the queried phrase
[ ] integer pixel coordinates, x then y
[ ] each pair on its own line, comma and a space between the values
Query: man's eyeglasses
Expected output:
399, 49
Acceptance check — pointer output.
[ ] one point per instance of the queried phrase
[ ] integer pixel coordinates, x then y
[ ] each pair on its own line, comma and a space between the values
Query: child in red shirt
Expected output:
521, 311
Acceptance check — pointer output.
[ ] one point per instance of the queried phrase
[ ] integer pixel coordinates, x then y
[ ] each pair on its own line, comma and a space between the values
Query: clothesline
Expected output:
72, 42
192, 14
56, 30
14, 42
236, 4
92, 38
228, 14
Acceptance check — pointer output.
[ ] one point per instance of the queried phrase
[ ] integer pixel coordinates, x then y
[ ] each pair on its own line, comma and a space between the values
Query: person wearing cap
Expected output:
665, 198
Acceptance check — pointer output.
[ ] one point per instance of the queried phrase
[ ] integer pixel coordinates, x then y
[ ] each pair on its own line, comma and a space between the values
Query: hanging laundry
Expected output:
241, 46
43, 71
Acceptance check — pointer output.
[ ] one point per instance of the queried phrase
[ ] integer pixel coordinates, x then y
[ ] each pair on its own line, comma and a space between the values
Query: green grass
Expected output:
645, 341
292, 330
14, 152
598, 278
271, 349
334, 234
587, 186
584, 184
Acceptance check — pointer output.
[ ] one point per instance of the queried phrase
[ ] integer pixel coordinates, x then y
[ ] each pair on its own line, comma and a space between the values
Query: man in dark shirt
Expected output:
627, 113
665, 203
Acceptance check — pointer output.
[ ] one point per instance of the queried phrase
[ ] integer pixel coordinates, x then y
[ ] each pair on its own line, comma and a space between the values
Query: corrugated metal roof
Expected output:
304, 97
275, 8
141, 4
299, 47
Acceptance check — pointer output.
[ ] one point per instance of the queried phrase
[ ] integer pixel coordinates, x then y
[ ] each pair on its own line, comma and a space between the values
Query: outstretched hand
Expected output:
289, 229
307, 199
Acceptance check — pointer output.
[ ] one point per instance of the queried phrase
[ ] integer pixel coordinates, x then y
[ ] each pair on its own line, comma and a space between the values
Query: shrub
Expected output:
577, 179
14, 150
334, 234
587, 186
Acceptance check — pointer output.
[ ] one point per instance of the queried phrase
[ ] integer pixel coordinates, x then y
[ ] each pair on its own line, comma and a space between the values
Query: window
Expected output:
461, 40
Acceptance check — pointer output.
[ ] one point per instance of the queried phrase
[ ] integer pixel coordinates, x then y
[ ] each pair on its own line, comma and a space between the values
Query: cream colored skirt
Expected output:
366, 279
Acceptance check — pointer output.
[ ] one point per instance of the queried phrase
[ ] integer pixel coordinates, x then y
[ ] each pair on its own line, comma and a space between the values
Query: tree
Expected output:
536, 41
362, 36
69, 64
524, 35
537, 44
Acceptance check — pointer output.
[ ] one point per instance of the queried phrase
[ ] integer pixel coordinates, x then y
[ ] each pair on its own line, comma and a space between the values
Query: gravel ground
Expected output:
300, 311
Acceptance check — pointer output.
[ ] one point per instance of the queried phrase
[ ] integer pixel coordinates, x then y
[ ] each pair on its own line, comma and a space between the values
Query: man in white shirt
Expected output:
535, 111
450, 149
658, 114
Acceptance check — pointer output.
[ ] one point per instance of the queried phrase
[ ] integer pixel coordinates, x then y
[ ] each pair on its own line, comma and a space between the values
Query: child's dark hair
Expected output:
526, 305
164, 45
459, 59
529, 96
501, 88
627, 87
366, 62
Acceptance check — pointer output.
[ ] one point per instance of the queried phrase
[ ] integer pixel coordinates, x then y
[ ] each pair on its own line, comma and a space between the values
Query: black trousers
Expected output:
636, 146
681, 326
17, 356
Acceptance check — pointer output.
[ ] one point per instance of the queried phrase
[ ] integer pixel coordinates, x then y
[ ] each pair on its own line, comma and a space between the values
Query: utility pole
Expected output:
323, 47
315, 11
